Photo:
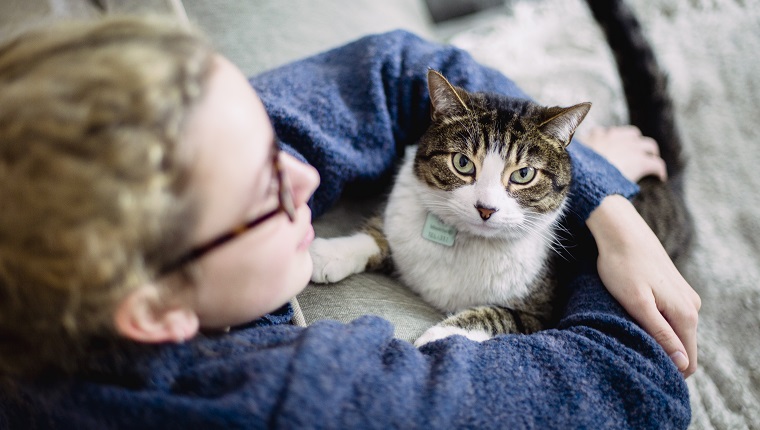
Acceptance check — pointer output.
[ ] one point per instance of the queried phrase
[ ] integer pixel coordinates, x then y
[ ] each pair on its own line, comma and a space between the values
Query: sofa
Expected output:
554, 50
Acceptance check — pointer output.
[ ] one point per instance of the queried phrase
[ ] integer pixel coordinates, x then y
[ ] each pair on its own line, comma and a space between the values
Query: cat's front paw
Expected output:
337, 258
442, 331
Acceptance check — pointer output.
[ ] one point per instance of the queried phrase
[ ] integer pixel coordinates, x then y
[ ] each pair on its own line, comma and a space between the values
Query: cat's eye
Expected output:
463, 164
523, 176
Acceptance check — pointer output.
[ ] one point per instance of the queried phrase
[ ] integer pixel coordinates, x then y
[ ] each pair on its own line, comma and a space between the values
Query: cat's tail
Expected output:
651, 109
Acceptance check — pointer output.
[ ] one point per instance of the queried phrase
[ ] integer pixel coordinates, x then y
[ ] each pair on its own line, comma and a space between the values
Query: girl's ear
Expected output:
141, 316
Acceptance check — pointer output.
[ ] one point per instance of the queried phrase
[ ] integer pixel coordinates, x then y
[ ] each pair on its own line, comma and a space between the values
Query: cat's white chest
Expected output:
474, 270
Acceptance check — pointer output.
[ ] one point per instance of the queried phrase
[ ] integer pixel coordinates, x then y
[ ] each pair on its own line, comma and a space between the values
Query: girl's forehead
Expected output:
229, 115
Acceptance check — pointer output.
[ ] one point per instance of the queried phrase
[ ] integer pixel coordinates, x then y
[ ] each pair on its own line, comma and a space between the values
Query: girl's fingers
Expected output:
654, 323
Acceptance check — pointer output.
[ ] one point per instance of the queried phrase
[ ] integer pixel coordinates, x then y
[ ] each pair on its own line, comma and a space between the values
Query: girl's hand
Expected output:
638, 272
634, 155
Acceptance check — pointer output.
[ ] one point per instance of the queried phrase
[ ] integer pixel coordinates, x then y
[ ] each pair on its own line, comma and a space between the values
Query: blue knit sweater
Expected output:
350, 112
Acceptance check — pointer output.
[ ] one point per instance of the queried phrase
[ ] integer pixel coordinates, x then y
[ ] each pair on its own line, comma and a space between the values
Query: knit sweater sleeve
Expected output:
350, 111
595, 370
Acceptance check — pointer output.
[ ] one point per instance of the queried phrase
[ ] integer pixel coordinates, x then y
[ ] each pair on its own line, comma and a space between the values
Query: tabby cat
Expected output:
470, 222
470, 218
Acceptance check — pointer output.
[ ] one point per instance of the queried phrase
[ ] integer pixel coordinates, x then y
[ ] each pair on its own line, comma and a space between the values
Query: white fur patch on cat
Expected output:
337, 258
439, 332
483, 265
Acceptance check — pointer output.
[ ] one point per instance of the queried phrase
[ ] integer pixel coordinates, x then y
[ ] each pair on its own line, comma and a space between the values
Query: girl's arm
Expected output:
596, 370
637, 271
350, 111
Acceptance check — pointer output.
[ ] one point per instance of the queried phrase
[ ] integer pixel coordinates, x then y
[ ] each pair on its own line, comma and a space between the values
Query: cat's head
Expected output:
494, 166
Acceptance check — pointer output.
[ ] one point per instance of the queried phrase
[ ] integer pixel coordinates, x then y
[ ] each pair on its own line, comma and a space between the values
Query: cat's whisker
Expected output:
550, 240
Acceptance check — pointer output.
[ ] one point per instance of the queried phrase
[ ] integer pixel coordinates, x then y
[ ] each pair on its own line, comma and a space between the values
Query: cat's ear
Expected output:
562, 122
445, 100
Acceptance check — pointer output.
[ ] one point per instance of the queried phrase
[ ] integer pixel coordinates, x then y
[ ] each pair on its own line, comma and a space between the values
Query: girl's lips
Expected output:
307, 239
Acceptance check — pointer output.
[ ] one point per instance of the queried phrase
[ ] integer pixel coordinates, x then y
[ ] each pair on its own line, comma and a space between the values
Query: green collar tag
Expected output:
436, 231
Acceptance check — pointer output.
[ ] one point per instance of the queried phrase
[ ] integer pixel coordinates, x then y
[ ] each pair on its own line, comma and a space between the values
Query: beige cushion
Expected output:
364, 293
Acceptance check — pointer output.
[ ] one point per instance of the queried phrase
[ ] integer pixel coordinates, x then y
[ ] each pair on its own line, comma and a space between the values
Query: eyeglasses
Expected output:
286, 205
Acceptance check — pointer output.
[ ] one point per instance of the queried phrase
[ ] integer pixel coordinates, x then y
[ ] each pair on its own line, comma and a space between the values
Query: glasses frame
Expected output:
285, 204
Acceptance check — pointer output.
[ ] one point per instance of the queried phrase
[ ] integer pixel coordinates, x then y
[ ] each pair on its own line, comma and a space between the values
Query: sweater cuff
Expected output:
594, 178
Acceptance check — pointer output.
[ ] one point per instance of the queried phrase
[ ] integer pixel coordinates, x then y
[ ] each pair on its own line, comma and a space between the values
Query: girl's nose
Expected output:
303, 178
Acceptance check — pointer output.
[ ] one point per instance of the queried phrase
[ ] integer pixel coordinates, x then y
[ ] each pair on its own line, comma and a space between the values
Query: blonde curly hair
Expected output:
93, 197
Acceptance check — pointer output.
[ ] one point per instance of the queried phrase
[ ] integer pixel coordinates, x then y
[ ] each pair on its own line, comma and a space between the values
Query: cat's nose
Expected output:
485, 212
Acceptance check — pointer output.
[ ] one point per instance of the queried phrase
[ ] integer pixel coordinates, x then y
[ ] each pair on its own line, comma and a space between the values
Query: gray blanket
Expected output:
711, 50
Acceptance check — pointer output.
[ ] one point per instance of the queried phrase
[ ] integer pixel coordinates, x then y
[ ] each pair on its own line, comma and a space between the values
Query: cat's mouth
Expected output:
504, 228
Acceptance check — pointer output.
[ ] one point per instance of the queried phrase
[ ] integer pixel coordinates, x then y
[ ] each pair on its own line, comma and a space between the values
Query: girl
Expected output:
154, 228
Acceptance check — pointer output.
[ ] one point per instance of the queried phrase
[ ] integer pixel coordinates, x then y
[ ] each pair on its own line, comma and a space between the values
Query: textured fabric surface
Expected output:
597, 370
711, 50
